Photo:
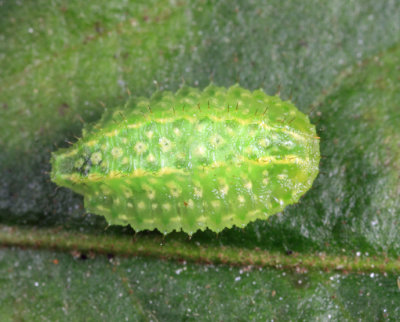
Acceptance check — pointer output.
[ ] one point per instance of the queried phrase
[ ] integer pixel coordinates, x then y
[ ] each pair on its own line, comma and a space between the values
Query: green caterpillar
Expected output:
192, 160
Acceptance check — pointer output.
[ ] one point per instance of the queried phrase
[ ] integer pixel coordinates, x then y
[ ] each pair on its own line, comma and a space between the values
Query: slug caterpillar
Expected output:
192, 160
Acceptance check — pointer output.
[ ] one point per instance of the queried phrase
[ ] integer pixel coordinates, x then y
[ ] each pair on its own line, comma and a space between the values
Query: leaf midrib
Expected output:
157, 247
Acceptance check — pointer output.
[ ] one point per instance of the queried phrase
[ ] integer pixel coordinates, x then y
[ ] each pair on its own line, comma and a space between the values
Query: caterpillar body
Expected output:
191, 160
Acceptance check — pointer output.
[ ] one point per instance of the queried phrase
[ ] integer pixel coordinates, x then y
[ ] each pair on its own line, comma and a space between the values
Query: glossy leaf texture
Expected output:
64, 64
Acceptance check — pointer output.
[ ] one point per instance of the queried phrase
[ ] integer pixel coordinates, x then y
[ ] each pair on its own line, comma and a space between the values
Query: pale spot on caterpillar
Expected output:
264, 142
165, 144
112, 133
248, 185
224, 188
174, 189
92, 143
133, 126
96, 158
116, 152
280, 201
153, 180
177, 132
190, 204
230, 131
282, 176
200, 151
140, 147
102, 209
202, 219
228, 217
200, 127
215, 203
106, 190
127, 192
149, 134
217, 140
79, 163
241, 200
288, 144
151, 158
198, 191
181, 156
150, 192
166, 206
249, 150
141, 205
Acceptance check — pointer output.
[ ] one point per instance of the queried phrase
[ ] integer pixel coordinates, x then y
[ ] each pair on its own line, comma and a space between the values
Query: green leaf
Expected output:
66, 62
42, 284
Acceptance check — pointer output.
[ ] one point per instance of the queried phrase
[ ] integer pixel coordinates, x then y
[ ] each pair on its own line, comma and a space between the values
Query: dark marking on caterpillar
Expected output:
187, 168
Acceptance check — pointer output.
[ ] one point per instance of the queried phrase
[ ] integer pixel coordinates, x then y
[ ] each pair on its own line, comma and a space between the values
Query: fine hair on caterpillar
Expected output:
192, 160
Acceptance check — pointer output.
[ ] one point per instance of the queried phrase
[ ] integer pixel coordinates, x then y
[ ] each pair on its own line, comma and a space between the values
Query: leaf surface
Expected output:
64, 62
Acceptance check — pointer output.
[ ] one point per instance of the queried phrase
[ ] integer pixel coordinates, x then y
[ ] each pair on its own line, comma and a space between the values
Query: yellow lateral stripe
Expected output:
268, 160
